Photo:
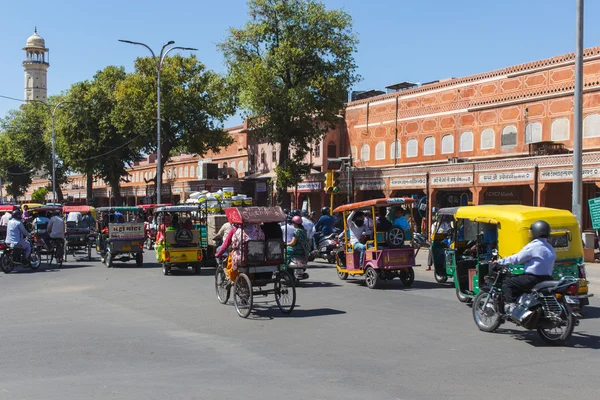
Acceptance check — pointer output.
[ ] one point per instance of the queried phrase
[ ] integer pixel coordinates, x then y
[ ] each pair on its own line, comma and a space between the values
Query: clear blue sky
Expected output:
418, 40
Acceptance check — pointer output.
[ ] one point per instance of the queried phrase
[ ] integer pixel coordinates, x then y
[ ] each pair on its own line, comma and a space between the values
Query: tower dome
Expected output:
35, 41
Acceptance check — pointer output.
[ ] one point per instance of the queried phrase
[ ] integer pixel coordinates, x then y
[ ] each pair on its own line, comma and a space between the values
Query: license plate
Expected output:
126, 248
572, 300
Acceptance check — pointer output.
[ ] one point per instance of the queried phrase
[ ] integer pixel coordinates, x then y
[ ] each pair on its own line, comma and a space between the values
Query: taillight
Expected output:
1, 246
573, 289
167, 256
199, 255
141, 246
582, 272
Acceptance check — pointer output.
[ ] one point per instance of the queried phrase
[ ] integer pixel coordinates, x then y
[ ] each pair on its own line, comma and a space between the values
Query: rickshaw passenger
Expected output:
41, 220
240, 236
299, 245
160, 236
356, 225
187, 224
88, 221
383, 224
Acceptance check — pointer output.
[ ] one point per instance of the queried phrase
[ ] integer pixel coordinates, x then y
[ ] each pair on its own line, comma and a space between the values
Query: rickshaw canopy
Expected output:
180, 208
7, 207
119, 209
32, 205
448, 211
254, 215
383, 202
514, 221
46, 209
150, 206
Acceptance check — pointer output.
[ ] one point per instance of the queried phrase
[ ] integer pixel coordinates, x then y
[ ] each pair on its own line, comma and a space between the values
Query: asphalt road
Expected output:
88, 332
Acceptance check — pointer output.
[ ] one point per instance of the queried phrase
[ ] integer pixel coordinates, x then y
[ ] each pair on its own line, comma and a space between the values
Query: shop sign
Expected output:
501, 194
561, 174
309, 186
401, 182
439, 180
261, 187
594, 205
371, 184
176, 190
502, 177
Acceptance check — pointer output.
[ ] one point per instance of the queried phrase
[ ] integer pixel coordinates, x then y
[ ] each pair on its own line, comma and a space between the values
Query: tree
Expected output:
91, 142
293, 65
39, 195
194, 103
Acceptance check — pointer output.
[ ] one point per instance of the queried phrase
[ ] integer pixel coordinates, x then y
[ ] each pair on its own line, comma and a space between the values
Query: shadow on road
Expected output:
309, 285
590, 312
396, 284
579, 340
268, 311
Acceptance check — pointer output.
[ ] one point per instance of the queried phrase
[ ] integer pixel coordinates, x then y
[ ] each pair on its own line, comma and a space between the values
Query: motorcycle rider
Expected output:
309, 226
537, 257
16, 234
324, 226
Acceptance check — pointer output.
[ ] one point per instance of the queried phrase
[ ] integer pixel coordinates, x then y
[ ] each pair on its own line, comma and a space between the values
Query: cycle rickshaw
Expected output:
260, 262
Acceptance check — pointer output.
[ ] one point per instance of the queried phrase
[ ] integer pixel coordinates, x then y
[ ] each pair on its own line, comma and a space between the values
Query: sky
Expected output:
400, 40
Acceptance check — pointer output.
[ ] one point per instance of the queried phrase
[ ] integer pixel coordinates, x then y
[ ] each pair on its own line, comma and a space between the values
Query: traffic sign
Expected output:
594, 205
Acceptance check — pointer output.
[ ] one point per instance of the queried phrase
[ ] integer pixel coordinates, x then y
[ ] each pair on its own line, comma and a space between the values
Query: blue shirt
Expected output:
15, 231
402, 223
325, 224
537, 257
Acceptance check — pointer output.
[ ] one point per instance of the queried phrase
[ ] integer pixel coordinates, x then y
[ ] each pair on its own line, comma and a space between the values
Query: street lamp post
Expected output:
159, 62
52, 114
577, 206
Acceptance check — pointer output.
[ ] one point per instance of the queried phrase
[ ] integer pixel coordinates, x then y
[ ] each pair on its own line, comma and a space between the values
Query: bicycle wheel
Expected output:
285, 292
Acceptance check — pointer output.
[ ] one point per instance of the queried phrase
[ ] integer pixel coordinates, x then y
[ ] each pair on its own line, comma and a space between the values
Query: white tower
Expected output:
36, 64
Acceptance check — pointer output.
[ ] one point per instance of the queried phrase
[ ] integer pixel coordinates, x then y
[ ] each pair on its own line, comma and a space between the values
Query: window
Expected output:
240, 166
180, 173
560, 129
185, 172
487, 139
224, 165
169, 173
380, 151
263, 157
317, 150
274, 156
365, 153
447, 144
412, 148
466, 141
354, 152
331, 150
591, 126
509, 136
533, 132
429, 146
197, 170
395, 150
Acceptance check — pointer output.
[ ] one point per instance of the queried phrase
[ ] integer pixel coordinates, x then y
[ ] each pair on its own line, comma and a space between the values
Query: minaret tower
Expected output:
36, 63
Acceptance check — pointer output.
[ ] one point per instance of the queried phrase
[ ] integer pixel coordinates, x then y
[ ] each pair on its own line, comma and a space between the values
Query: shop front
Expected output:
367, 189
506, 187
310, 196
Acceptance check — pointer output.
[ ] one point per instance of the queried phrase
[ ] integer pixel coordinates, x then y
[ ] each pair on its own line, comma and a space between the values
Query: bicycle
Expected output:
58, 251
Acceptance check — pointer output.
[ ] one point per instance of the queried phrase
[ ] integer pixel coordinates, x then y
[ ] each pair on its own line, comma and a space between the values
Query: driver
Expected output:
537, 257
16, 234
358, 231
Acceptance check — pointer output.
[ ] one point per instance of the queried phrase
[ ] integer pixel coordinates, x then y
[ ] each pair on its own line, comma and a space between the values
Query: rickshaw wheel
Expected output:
396, 237
89, 249
342, 275
372, 278
285, 293
439, 278
139, 260
166, 269
242, 295
109, 260
222, 285
463, 298
407, 277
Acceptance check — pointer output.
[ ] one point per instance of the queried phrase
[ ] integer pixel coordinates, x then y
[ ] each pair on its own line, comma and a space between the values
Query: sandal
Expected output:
428, 268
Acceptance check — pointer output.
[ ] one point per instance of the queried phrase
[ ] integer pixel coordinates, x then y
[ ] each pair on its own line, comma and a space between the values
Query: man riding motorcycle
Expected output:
16, 234
323, 227
537, 258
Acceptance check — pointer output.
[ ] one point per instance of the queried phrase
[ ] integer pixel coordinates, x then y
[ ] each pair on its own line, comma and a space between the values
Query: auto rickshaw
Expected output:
261, 262
121, 235
181, 238
79, 236
4, 208
388, 254
479, 231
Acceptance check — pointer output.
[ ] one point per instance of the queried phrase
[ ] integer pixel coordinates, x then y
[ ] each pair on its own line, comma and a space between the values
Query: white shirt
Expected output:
74, 217
56, 227
537, 258
5, 218
309, 227
15, 232
355, 231
290, 232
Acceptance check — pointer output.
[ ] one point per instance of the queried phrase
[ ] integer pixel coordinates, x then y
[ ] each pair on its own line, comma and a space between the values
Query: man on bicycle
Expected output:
56, 228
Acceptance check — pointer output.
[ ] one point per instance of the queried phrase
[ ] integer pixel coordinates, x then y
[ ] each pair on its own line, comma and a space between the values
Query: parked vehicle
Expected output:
550, 307
11, 257
388, 254
79, 237
121, 235
479, 230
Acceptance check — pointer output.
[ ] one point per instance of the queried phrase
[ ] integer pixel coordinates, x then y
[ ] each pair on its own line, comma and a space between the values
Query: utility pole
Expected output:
578, 117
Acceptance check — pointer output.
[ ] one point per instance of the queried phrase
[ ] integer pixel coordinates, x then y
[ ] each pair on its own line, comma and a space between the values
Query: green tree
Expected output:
194, 103
292, 64
90, 140
39, 195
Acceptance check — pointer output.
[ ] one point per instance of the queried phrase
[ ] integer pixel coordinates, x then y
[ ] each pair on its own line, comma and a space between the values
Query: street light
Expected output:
159, 62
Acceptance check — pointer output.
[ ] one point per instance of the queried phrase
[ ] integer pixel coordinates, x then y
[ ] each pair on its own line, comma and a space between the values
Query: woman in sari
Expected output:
299, 245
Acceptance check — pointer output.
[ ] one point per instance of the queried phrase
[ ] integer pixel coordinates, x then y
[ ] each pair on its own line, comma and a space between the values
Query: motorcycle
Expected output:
551, 307
297, 268
150, 240
11, 257
325, 248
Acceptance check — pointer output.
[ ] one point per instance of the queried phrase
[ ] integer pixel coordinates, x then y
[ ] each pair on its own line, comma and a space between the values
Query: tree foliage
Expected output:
39, 195
292, 64
194, 103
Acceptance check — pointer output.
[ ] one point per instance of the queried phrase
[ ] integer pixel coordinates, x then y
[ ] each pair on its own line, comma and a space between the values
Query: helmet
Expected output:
286, 211
304, 213
540, 229
297, 220
297, 213
325, 211
17, 214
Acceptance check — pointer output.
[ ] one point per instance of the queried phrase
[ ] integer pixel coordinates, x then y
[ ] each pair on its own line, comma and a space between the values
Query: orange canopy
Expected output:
384, 202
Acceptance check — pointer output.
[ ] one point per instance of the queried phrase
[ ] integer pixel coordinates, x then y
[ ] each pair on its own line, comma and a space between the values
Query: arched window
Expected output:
365, 153
317, 150
487, 139
180, 172
509, 136
354, 152
240, 166
197, 171
429, 146
380, 151
533, 132
447, 144
263, 157
185, 171
331, 150
560, 129
591, 126
412, 148
169, 174
395, 150
466, 141
225, 165
274, 155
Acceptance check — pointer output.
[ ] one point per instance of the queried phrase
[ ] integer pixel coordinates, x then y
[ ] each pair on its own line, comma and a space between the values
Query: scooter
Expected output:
325, 248
11, 257
297, 268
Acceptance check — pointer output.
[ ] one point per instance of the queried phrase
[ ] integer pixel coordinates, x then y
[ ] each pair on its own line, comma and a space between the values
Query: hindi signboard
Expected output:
419, 181
126, 230
562, 174
506, 177
594, 205
441, 180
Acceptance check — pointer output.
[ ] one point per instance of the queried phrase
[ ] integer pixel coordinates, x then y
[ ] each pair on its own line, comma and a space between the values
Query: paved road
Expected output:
88, 332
